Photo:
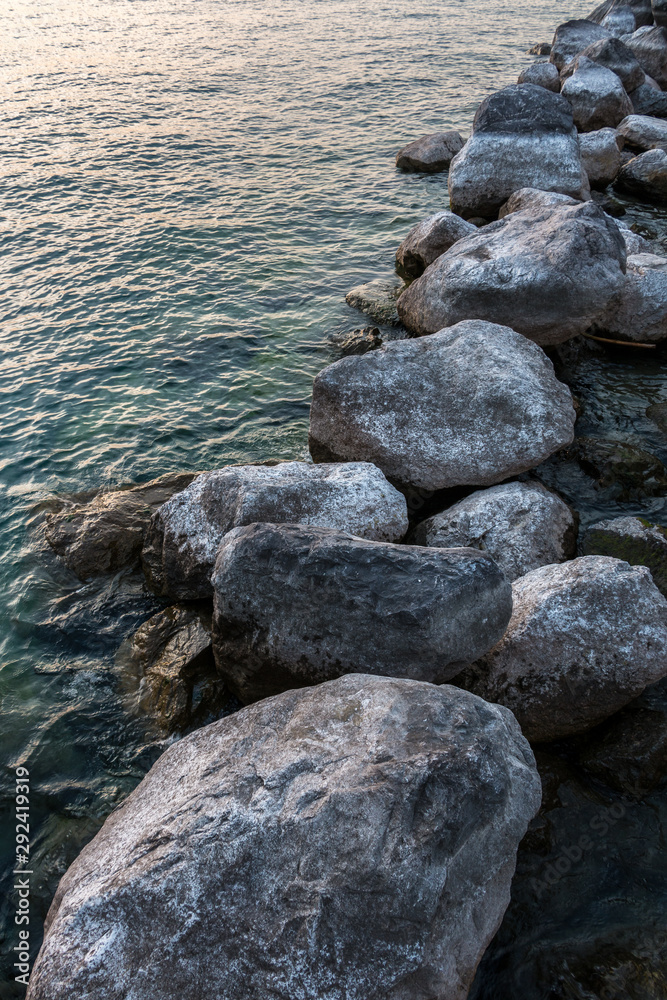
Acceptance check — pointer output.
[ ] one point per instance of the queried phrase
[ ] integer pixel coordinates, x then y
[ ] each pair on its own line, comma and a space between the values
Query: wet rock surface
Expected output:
520, 525
296, 606
549, 273
379, 815
586, 637
361, 341
430, 154
620, 467
104, 532
184, 536
471, 405
377, 299
428, 240
633, 539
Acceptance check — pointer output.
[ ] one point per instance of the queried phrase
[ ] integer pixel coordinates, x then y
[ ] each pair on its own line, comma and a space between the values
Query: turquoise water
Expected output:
187, 192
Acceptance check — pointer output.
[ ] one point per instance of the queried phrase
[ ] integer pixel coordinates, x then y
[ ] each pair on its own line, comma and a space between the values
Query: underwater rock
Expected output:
620, 466
377, 299
358, 341
633, 539
431, 154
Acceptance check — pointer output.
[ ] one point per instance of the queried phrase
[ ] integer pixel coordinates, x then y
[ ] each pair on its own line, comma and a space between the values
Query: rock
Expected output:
539, 49
641, 10
597, 97
428, 240
358, 341
621, 467
615, 55
533, 198
104, 532
641, 133
185, 534
659, 8
297, 605
357, 839
645, 176
648, 101
548, 273
600, 156
585, 638
634, 243
642, 314
523, 136
542, 74
572, 38
520, 525
649, 45
377, 299
471, 405
657, 412
620, 21
170, 659
633, 539
431, 154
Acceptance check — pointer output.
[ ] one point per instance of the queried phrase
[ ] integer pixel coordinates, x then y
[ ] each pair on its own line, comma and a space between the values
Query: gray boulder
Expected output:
471, 405
620, 21
523, 136
377, 299
645, 176
542, 74
534, 198
659, 8
649, 45
597, 97
632, 539
520, 525
185, 534
354, 840
586, 637
572, 38
549, 273
431, 154
600, 156
428, 240
641, 9
298, 605
634, 243
613, 54
642, 314
104, 532
641, 133
649, 101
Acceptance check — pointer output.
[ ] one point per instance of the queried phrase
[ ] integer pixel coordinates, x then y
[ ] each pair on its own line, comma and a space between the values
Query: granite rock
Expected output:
431, 154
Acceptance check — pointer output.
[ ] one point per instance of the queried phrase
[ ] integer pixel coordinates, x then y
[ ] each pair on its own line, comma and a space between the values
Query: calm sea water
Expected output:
187, 192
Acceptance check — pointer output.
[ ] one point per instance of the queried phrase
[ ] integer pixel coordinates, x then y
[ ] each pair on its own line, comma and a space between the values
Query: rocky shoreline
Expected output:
402, 617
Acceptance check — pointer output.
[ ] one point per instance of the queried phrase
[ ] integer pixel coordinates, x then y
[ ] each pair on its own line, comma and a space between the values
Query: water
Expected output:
187, 193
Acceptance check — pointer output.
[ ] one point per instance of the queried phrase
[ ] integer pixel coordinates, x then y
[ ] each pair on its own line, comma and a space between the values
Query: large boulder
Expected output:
471, 405
355, 840
431, 154
520, 525
613, 54
549, 273
648, 101
649, 45
535, 199
642, 132
645, 176
428, 240
620, 21
104, 532
185, 533
523, 136
597, 97
298, 605
600, 156
586, 637
633, 539
542, 74
642, 313
641, 10
572, 38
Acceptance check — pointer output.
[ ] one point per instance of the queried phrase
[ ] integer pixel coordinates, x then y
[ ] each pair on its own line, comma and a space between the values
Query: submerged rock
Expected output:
645, 176
633, 539
357, 840
542, 74
597, 96
523, 136
105, 532
431, 154
549, 273
600, 156
520, 525
472, 405
539, 49
641, 132
358, 341
184, 536
429, 240
170, 658
657, 412
642, 313
297, 605
585, 638
620, 467
572, 38
377, 299
649, 45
